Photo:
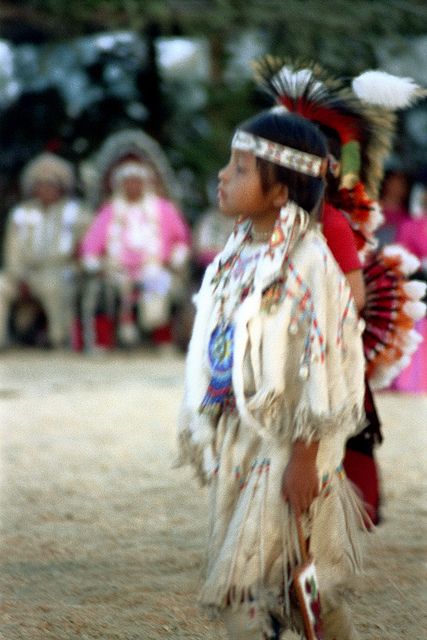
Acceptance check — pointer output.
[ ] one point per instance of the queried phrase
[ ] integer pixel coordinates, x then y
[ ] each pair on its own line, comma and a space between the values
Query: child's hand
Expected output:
300, 482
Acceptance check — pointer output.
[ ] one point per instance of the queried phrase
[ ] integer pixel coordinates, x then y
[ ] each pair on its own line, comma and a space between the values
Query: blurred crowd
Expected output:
117, 268
404, 205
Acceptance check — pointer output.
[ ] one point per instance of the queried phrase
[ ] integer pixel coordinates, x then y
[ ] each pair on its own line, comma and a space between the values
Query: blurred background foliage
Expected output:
72, 72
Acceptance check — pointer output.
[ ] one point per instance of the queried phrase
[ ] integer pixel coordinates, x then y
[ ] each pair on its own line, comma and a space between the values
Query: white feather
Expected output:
376, 217
415, 289
411, 342
296, 81
409, 262
415, 310
404, 361
279, 108
385, 90
383, 375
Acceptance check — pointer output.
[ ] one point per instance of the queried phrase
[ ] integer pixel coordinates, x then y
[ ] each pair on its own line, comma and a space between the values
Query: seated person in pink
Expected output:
394, 205
412, 234
141, 244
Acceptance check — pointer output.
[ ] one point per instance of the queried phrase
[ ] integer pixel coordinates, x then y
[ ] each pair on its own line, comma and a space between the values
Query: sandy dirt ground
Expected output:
102, 538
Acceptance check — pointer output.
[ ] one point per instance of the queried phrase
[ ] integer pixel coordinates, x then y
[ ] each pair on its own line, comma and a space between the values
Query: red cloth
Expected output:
340, 239
104, 333
362, 471
162, 335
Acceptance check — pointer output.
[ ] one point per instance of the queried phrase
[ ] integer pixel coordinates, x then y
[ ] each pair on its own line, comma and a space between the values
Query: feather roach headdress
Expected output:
360, 116
134, 145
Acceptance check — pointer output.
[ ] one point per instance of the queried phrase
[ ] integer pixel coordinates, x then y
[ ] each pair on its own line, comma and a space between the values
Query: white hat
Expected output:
130, 170
48, 167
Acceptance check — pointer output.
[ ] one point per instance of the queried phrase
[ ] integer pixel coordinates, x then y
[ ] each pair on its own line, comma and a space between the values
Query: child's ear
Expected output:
282, 195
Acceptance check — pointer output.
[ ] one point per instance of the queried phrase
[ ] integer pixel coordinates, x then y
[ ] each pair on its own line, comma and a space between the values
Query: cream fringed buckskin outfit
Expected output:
276, 355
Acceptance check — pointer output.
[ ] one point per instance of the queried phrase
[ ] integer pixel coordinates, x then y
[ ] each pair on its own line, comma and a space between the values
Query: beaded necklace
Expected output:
219, 397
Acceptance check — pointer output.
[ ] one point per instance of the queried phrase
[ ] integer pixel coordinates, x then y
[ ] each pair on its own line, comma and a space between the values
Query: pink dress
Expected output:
131, 235
394, 217
144, 243
413, 236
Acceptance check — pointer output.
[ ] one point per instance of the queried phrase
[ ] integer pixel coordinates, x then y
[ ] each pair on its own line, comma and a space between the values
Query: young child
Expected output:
274, 386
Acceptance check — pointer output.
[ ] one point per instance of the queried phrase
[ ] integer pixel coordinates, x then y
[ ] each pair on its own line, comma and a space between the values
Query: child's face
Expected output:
47, 192
240, 192
133, 188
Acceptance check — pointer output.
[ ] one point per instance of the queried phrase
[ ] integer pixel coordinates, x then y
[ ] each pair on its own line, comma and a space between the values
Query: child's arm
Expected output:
357, 286
300, 482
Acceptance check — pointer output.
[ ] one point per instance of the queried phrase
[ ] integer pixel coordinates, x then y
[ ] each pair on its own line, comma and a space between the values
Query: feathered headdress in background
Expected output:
48, 167
363, 126
132, 145
393, 305
361, 118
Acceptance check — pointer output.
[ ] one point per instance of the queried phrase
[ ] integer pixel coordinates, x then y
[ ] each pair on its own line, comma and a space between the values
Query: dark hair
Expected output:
334, 147
296, 132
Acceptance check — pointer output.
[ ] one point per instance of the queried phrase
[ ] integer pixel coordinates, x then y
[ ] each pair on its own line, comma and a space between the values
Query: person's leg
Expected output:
8, 291
89, 299
360, 462
127, 330
362, 470
49, 290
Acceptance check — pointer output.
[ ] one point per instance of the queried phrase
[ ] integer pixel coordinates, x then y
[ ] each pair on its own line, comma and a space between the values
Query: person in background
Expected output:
412, 234
40, 251
267, 409
139, 244
394, 198
358, 122
210, 234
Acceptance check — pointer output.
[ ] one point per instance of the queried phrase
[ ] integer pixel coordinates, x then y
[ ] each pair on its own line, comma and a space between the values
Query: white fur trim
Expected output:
23, 216
385, 90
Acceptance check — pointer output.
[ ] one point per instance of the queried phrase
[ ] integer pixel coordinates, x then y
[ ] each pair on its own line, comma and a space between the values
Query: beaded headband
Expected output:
279, 154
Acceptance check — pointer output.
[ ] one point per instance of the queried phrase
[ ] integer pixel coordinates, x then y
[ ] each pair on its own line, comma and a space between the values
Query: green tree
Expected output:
342, 34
